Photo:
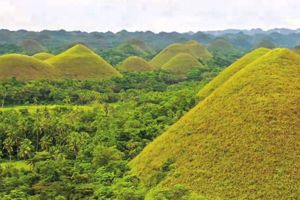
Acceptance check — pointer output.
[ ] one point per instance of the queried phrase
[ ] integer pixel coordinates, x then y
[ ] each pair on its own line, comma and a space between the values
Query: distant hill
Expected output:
266, 44
77, 42
80, 62
43, 56
25, 68
231, 70
221, 46
141, 44
297, 49
200, 50
182, 63
192, 47
31, 46
241, 142
135, 64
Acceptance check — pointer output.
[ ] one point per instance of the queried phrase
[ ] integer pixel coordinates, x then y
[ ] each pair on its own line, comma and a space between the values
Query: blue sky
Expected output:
154, 15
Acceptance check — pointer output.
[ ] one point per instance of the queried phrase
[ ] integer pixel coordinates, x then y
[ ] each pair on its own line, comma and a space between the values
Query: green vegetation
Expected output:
43, 56
81, 63
230, 71
31, 46
266, 44
182, 63
135, 64
81, 152
25, 68
239, 143
221, 46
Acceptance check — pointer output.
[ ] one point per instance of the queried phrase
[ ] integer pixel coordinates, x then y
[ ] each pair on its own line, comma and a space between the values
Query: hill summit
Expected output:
266, 44
25, 68
135, 63
182, 63
43, 56
81, 63
241, 142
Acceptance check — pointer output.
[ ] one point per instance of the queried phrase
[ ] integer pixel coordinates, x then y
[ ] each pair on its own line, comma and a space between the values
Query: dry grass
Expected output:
242, 141
135, 64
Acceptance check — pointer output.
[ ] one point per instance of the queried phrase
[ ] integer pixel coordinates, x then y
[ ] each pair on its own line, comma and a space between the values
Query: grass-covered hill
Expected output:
43, 56
31, 46
230, 71
182, 63
80, 62
135, 63
266, 44
297, 49
199, 50
221, 46
141, 44
25, 68
241, 142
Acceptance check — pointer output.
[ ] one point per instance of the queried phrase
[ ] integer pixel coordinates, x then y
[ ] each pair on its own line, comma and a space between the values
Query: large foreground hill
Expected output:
241, 142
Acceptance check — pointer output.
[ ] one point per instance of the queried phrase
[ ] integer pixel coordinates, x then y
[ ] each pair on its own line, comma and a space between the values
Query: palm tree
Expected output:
8, 145
25, 149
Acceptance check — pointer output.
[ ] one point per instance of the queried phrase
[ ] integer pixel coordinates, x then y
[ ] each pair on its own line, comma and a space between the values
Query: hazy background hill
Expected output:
56, 41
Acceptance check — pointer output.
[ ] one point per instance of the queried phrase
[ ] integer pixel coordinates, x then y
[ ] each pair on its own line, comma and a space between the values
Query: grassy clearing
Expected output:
15, 164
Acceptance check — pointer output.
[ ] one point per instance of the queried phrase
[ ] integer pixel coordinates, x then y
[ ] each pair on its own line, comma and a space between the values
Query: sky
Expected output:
153, 15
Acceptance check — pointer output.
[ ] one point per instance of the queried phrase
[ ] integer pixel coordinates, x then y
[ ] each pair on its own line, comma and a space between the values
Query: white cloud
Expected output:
155, 15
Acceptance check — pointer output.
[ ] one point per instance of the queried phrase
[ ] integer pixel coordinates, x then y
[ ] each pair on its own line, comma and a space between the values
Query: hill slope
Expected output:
25, 68
266, 44
230, 71
241, 142
31, 46
135, 64
182, 63
80, 62
43, 56
220, 46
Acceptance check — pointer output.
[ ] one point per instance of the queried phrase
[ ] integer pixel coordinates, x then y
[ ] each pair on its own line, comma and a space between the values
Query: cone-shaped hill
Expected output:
135, 64
297, 49
241, 142
221, 46
230, 71
182, 63
141, 44
192, 47
199, 50
25, 68
43, 56
80, 62
32, 46
266, 44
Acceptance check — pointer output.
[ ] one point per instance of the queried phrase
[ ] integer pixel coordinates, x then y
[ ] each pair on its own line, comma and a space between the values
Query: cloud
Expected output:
155, 15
